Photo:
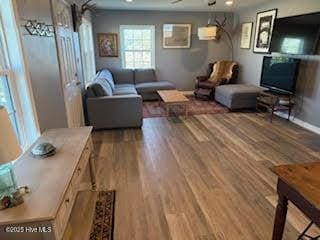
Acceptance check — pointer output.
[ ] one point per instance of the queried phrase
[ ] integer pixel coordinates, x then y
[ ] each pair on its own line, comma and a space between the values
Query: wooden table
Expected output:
300, 184
54, 183
275, 103
173, 97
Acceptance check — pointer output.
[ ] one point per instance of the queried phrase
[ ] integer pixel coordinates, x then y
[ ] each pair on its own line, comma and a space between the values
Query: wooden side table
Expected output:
275, 103
299, 184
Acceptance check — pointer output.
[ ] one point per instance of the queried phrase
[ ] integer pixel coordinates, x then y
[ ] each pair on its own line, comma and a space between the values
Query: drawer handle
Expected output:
67, 200
79, 169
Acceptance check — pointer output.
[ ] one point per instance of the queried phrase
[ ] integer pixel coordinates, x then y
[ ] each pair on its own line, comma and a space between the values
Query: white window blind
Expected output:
137, 46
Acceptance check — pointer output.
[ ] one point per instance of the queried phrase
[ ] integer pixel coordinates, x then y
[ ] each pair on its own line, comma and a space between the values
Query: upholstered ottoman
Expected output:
237, 96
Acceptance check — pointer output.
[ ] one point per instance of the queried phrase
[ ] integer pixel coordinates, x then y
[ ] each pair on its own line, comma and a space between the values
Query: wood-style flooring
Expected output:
202, 177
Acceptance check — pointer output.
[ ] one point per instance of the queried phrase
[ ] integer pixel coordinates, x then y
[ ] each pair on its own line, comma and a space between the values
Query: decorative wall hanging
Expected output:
39, 29
264, 28
176, 35
246, 33
108, 44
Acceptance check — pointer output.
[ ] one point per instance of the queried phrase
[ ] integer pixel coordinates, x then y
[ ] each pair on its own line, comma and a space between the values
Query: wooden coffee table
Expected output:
173, 97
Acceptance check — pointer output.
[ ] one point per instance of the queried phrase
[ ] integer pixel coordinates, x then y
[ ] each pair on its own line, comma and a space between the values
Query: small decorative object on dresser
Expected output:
108, 44
246, 32
176, 35
43, 150
264, 28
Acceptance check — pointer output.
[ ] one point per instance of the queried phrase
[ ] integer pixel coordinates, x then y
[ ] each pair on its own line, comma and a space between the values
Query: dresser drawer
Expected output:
61, 220
82, 165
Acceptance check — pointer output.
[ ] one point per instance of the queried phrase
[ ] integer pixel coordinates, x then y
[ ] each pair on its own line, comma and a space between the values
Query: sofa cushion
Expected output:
239, 91
118, 86
148, 87
123, 76
107, 75
144, 75
122, 89
99, 88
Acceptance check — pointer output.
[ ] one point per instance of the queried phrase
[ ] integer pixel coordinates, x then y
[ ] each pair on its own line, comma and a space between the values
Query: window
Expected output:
137, 46
6, 99
7, 102
15, 86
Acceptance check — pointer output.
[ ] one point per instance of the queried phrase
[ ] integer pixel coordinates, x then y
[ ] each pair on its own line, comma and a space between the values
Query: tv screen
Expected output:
279, 74
296, 35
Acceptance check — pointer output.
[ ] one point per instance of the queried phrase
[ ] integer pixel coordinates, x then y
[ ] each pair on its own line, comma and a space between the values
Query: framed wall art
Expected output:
246, 33
264, 28
176, 35
108, 44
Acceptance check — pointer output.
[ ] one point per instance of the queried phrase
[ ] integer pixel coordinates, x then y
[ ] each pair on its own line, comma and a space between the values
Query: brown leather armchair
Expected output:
218, 73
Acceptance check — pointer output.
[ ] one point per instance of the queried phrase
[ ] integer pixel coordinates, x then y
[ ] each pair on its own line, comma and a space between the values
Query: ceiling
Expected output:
165, 5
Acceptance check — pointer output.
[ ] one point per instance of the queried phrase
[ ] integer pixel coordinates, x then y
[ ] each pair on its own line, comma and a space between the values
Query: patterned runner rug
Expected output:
103, 221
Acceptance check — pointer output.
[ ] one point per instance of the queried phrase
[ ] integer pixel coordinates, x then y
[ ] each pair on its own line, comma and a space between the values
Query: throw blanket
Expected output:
222, 71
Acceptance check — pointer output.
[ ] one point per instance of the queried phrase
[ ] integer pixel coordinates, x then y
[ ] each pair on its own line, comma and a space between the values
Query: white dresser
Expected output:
54, 183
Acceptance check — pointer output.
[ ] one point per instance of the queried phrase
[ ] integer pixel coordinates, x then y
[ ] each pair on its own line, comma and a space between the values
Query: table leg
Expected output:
272, 113
92, 171
186, 110
168, 110
289, 113
280, 218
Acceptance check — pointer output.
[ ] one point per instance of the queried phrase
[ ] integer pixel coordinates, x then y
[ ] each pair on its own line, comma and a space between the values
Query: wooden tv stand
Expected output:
275, 102
54, 183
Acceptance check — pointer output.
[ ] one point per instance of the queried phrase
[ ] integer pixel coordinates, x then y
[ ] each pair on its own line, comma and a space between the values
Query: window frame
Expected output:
15, 110
17, 76
153, 43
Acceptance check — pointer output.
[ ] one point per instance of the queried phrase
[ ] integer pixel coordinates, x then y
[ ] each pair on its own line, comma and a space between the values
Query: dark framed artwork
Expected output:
108, 44
246, 33
264, 28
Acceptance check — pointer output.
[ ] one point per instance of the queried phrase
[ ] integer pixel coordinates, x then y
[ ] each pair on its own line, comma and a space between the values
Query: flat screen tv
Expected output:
296, 35
279, 74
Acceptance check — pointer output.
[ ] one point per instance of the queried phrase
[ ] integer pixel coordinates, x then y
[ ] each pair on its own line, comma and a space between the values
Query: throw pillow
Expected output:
100, 88
107, 75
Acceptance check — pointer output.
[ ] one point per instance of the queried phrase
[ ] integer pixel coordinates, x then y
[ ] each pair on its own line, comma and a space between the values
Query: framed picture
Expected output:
108, 44
176, 35
246, 33
264, 28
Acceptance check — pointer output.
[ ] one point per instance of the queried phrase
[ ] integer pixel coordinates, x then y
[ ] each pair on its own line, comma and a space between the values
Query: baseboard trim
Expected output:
301, 123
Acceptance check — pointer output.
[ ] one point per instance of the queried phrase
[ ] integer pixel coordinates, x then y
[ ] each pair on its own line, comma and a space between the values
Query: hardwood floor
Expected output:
201, 177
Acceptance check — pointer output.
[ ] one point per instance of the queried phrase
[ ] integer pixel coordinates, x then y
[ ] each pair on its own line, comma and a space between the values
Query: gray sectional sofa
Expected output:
114, 98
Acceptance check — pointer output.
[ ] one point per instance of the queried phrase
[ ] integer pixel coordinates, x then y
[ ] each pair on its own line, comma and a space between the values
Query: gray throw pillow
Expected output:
144, 75
100, 87
107, 75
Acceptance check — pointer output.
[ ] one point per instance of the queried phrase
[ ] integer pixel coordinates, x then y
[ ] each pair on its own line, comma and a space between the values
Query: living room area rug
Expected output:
103, 220
152, 109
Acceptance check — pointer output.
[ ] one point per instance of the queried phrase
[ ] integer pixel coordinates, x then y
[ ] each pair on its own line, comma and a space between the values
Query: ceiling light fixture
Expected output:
229, 2
129, 0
